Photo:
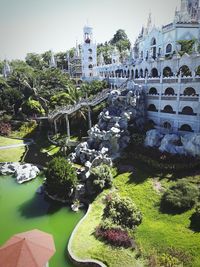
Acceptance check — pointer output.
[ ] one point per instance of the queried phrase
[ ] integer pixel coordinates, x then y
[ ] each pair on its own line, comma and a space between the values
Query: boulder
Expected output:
22, 171
153, 138
191, 144
169, 144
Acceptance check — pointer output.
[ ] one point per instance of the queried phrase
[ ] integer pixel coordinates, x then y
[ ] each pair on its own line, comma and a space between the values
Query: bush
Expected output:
102, 177
167, 260
61, 177
32, 107
115, 237
182, 196
5, 128
122, 212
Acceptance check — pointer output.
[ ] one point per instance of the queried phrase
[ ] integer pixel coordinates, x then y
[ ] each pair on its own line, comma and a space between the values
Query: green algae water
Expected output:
22, 209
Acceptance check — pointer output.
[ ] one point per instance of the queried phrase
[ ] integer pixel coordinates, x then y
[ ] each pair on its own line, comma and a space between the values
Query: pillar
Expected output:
89, 118
67, 125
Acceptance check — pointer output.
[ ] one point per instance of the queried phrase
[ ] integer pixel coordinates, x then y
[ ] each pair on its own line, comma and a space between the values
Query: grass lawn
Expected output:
4, 141
51, 150
12, 154
86, 246
157, 233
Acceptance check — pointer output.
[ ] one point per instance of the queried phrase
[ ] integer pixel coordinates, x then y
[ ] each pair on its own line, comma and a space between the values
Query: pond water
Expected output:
22, 209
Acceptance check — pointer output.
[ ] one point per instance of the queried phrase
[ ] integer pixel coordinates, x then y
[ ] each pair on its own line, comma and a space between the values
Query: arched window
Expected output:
168, 109
169, 91
128, 74
146, 72
90, 59
153, 91
152, 107
153, 41
136, 74
189, 91
167, 125
154, 72
185, 71
187, 111
167, 72
141, 73
90, 50
168, 49
151, 124
153, 47
132, 74
186, 128
90, 66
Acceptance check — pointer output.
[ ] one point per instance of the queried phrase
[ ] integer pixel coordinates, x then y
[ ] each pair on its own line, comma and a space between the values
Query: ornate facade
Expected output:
171, 78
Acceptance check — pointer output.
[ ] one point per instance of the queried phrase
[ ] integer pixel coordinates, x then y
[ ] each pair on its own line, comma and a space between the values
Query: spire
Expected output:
149, 22
77, 50
52, 62
183, 16
6, 69
184, 6
101, 59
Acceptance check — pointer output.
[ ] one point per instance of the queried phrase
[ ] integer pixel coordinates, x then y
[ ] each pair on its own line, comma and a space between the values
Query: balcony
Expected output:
190, 98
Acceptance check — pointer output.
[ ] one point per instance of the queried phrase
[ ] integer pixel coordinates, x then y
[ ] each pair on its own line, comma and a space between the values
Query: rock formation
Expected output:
22, 171
110, 135
183, 144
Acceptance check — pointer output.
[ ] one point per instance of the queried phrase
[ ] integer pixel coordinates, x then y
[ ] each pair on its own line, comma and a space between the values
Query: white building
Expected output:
89, 54
172, 79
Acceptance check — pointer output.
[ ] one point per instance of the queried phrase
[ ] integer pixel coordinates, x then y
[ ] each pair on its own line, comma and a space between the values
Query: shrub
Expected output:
61, 177
181, 196
122, 212
32, 107
115, 237
102, 177
5, 128
167, 260
27, 128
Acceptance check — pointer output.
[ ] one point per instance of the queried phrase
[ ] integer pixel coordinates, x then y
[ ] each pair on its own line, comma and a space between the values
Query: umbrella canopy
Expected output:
29, 249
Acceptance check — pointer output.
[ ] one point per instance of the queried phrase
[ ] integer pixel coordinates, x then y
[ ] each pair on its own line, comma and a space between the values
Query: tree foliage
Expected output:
61, 177
32, 107
186, 46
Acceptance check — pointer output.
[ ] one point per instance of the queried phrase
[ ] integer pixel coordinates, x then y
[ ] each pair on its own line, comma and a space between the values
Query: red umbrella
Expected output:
29, 249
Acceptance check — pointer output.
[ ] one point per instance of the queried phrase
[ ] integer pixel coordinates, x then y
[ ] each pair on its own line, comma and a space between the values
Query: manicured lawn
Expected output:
51, 150
157, 233
11, 154
86, 246
4, 141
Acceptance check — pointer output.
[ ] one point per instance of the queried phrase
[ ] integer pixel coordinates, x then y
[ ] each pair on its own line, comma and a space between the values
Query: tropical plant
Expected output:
32, 107
186, 46
61, 177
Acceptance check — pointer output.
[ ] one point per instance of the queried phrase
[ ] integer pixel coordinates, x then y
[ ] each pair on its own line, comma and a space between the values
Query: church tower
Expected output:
194, 10
89, 54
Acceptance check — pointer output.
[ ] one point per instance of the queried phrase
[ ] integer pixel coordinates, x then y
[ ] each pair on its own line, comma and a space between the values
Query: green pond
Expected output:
22, 209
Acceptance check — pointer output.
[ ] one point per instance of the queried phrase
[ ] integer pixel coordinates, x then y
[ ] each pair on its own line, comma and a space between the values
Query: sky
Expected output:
41, 25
